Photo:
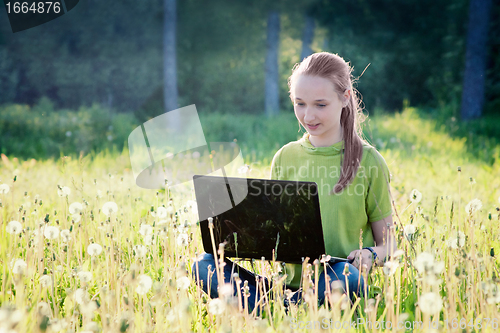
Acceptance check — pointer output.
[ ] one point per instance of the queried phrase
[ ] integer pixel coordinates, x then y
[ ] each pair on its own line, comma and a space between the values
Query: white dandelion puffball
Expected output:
87, 309
45, 281
182, 239
80, 296
65, 235
430, 303
145, 229
183, 283
216, 306
161, 212
76, 217
390, 268
43, 308
99, 194
4, 188
64, 191
85, 276
424, 262
51, 232
19, 266
140, 251
14, 227
144, 284
473, 206
109, 208
415, 196
458, 241
94, 249
409, 230
75, 208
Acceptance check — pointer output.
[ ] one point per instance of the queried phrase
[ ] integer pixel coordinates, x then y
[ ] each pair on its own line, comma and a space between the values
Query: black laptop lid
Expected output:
256, 216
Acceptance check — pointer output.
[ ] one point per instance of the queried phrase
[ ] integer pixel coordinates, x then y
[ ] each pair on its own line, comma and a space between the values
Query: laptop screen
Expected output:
256, 216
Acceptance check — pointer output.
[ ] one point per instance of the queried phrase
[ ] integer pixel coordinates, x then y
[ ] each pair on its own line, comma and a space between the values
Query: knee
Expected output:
203, 262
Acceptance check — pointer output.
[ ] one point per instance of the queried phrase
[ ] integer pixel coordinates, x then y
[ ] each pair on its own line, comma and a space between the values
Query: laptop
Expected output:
261, 218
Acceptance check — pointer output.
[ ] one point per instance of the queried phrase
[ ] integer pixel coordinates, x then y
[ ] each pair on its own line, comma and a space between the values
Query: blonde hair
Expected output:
332, 67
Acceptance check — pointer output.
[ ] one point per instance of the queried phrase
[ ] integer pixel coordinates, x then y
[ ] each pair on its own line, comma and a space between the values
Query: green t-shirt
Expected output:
366, 199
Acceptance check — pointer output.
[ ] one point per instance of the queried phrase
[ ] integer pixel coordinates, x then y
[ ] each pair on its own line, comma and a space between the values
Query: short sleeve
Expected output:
378, 199
276, 165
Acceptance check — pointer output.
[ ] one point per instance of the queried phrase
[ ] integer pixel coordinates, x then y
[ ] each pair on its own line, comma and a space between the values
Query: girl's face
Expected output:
318, 108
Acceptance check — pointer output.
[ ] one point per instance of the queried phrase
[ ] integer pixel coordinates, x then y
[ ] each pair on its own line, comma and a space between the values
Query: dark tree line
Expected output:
231, 56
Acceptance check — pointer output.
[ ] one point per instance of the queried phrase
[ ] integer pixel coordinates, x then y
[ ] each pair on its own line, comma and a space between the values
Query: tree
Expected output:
169, 56
307, 37
272, 74
475, 59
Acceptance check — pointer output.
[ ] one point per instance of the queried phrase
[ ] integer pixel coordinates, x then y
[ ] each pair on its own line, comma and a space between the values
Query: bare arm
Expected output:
385, 244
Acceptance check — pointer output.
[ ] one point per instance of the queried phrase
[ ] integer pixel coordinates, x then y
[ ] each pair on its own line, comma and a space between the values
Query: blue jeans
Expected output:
206, 263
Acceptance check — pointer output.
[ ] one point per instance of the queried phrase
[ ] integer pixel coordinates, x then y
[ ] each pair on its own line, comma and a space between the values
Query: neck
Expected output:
320, 141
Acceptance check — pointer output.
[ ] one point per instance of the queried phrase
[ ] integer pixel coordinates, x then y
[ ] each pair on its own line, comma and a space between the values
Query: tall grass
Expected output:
141, 281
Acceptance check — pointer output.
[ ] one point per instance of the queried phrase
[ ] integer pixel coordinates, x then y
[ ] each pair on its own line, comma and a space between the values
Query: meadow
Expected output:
83, 249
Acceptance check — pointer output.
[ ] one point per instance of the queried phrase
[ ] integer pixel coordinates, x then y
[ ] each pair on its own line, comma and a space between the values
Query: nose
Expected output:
309, 115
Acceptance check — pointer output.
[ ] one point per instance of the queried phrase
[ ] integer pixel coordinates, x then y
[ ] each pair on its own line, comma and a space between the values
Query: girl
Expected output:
352, 178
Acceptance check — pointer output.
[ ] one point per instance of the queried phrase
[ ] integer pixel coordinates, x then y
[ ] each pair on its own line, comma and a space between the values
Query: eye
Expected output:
321, 105
300, 104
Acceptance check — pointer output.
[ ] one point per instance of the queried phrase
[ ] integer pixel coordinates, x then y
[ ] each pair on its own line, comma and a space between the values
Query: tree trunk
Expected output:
169, 56
475, 59
272, 76
307, 38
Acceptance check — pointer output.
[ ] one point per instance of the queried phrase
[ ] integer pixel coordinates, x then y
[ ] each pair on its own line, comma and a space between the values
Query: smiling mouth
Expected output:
311, 125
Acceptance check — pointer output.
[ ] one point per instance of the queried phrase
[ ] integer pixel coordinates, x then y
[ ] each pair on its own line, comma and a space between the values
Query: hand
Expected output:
366, 259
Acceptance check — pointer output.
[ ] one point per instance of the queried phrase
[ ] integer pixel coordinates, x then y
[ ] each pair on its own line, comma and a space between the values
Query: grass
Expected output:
138, 282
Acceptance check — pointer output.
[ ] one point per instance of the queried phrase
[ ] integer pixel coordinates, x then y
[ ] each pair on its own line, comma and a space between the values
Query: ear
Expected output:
347, 95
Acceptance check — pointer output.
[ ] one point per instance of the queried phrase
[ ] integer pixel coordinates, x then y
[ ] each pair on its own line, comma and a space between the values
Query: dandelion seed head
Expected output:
473, 206
81, 296
94, 249
424, 262
19, 266
182, 239
45, 281
415, 196
390, 268
63, 191
226, 290
144, 284
51, 232
146, 229
216, 306
430, 303
65, 235
409, 231
4, 188
398, 253
85, 276
14, 227
43, 309
458, 241
109, 208
148, 239
75, 208
183, 283
161, 212
88, 308
76, 217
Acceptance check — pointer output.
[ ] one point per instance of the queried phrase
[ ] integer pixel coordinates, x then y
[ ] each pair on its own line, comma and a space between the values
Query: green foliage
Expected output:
41, 131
